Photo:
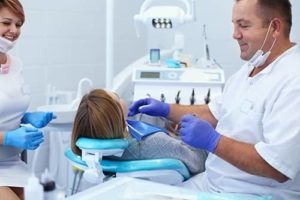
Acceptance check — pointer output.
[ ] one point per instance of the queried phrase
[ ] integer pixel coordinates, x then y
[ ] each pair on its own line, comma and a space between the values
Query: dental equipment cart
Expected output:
178, 85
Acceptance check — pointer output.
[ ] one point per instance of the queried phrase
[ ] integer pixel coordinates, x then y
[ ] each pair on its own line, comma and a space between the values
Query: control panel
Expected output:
178, 85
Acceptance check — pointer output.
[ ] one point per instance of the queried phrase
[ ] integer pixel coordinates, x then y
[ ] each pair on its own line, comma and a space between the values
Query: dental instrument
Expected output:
193, 99
177, 98
207, 98
162, 97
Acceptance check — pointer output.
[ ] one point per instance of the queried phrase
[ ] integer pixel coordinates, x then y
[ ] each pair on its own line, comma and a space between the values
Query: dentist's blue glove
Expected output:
199, 133
24, 138
150, 107
37, 119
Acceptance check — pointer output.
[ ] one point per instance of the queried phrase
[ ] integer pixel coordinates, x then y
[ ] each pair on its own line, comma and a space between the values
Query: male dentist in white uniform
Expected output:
252, 130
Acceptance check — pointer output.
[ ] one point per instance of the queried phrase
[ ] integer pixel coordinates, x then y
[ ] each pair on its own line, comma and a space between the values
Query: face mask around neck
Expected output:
259, 58
6, 45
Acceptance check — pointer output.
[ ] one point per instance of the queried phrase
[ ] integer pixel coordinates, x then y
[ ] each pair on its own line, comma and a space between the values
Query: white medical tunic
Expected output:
14, 100
263, 110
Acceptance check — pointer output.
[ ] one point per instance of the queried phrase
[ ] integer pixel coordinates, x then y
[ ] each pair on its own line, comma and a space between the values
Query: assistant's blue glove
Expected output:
24, 138
150, 107
199, 133
37, 119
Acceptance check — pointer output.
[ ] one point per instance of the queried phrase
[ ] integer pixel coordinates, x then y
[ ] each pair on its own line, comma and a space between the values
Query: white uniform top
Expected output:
14, 100
263, 110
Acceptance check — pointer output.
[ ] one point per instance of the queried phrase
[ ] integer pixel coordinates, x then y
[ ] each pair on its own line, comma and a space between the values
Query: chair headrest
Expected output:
101, 144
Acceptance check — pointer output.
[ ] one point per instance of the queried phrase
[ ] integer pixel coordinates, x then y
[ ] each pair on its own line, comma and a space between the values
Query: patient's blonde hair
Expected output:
99, 115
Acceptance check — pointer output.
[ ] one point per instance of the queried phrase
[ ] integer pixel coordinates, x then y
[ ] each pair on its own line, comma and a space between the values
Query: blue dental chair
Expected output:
92, 162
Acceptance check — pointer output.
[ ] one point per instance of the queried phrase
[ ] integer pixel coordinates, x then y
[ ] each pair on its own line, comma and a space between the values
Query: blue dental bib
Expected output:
139, 130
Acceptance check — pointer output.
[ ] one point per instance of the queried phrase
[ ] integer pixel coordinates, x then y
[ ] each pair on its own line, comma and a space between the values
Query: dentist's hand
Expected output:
24, 138
37, 119
149, 106
199, 133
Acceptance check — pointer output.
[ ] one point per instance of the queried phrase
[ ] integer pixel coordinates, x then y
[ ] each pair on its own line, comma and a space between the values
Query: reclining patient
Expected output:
101, 114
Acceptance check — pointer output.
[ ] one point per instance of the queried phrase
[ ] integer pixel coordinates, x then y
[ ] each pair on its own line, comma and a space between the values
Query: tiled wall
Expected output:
64, 40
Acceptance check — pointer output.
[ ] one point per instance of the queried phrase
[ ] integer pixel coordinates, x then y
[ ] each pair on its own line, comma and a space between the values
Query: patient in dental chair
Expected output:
101, 114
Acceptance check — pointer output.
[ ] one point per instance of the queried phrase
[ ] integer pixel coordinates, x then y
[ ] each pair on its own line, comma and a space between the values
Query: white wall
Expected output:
216, 15
295, 35
64, 40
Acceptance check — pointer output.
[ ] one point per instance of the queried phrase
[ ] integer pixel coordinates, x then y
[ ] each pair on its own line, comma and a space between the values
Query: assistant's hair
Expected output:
15, 7
269, 9
98, 116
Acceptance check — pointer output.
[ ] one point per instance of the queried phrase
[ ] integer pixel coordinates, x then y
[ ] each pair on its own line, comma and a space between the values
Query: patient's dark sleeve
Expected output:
160, 145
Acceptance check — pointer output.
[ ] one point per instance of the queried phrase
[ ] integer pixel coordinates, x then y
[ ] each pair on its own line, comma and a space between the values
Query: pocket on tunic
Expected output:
249, 108
251, 116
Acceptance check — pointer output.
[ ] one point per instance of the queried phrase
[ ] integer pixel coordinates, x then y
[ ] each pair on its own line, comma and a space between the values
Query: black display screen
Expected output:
150, 75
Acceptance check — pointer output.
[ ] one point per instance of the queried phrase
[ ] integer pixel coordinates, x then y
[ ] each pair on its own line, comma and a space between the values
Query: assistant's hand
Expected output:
199, 133
37, 119
24, 138
149, 106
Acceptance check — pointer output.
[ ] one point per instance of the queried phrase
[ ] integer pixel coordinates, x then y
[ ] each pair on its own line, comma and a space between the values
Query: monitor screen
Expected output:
150, 75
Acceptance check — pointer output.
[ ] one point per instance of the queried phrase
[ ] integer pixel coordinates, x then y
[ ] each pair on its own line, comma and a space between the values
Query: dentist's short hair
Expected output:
269, 9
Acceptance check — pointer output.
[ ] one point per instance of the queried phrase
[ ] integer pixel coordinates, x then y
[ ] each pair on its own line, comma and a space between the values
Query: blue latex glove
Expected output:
199, 133
24, 138
37, 119
150, 107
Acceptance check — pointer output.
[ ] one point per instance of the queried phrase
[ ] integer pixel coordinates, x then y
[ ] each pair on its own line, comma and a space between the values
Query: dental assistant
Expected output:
14, 100
252, 130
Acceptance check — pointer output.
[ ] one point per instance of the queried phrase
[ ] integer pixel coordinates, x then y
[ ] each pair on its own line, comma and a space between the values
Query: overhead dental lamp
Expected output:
164, 16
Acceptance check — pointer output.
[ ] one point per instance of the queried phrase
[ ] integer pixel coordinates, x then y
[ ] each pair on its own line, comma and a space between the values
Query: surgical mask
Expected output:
6, 45
259, 58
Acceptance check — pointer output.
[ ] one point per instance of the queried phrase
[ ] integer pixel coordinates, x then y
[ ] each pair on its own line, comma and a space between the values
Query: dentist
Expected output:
14, 99
252, 130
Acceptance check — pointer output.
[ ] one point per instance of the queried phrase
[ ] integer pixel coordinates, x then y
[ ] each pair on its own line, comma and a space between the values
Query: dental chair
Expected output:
95, 165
